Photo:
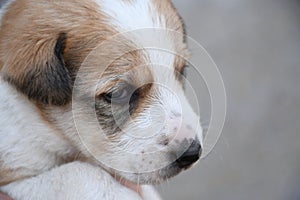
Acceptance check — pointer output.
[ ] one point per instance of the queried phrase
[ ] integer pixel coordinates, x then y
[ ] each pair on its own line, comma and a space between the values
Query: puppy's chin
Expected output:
134, 180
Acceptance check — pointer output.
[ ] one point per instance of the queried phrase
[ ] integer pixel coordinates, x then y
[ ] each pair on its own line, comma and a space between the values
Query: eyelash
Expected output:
119, 96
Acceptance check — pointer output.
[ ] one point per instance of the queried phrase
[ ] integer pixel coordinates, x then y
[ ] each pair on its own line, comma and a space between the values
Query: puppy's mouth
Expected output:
153, 178
183, 162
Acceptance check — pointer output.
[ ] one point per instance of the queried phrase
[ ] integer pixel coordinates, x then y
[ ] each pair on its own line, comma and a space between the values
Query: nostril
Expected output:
190, 156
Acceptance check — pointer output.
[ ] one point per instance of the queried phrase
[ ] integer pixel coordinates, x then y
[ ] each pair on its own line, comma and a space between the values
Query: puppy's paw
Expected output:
76, 181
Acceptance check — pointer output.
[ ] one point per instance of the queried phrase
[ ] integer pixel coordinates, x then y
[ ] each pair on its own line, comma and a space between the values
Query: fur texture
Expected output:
68, 68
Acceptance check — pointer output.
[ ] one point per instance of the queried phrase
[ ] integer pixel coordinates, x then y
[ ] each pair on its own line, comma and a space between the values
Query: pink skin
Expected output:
136, 188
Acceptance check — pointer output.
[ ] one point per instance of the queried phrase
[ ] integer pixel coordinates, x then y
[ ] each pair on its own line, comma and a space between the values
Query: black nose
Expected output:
190, 156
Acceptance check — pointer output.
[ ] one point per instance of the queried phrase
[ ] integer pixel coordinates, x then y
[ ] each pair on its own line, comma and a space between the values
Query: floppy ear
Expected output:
38, 70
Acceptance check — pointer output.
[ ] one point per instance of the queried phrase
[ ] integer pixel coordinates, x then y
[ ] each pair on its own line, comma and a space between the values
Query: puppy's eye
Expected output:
120, 96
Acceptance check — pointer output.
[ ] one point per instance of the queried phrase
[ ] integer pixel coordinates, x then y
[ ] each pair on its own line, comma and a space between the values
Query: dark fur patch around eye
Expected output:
111, 116
107, 118
50, 83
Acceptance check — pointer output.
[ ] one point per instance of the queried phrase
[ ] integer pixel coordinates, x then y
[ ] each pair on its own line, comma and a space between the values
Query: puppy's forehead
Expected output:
127, 15
147, 20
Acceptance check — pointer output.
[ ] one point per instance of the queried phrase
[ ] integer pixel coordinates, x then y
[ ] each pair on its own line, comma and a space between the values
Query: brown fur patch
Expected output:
129, 69
174, 22
8, 175
28, 36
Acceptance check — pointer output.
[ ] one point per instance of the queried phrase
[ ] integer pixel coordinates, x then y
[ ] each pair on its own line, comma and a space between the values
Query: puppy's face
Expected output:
143, 118
119, 99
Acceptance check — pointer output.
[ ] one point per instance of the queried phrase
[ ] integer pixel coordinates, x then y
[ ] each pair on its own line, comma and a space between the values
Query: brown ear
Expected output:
39, 71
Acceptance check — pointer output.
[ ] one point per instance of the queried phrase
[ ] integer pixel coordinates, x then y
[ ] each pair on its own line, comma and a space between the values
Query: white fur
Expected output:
75, 181
127, 16
26, 141
140, 22
29, 142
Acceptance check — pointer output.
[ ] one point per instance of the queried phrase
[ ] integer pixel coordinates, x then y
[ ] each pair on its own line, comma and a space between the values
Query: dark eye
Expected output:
120, 96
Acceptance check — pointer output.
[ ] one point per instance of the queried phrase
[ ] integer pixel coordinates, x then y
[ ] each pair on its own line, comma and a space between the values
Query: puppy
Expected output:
87, 109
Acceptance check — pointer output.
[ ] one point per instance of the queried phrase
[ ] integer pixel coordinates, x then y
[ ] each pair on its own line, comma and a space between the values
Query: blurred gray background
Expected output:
256, 45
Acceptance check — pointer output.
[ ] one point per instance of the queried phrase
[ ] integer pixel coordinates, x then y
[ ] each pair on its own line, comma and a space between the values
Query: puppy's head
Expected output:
72, 58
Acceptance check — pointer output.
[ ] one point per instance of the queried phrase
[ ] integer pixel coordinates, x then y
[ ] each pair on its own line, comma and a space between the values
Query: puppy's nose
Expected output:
190, 156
